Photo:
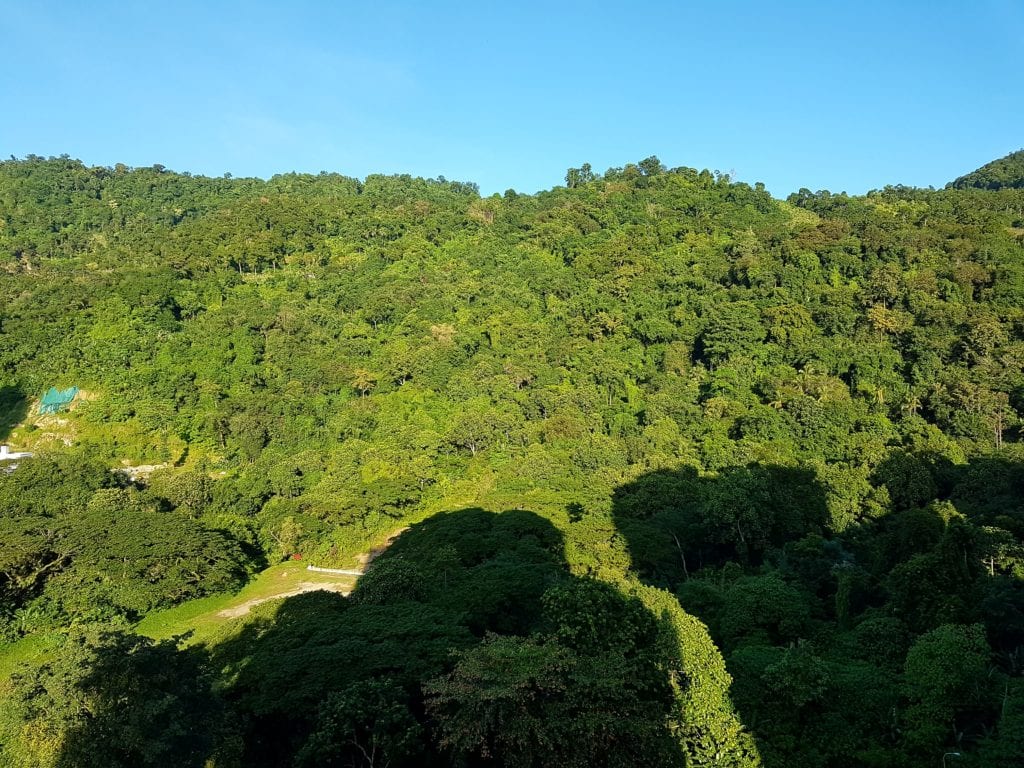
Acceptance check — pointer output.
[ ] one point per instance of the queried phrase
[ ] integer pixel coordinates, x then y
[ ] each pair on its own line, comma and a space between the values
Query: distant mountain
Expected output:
1005, 172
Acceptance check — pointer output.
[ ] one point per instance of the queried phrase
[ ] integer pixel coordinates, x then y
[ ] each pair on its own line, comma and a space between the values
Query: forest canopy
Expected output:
669, 467
1005, 172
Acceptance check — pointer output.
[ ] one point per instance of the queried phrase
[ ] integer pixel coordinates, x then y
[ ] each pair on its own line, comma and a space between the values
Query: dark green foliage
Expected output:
1005, 746
13, 408
763, 608
733, 329
367, 723
908, 479
1005, 172
802, 417
833, 642
813, 711
523, 702
79, 547
547, 668
503, 703
676, 521
115, 700
947, 682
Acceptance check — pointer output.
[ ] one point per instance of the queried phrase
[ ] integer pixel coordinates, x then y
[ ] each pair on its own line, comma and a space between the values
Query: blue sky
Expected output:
825, 95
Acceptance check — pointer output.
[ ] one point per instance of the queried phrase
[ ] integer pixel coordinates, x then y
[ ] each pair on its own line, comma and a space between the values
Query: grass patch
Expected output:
192, 616
203, 617
33, 649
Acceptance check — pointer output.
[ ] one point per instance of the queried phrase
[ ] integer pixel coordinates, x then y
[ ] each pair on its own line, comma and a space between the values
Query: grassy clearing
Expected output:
30, 650
205, 616
200, 619
204, 620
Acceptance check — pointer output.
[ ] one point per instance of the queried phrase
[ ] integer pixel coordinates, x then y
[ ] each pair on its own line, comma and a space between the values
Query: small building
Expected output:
57, 400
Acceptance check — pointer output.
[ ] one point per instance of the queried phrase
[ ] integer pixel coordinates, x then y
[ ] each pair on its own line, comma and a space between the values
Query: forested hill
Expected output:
644, 398
1005, 172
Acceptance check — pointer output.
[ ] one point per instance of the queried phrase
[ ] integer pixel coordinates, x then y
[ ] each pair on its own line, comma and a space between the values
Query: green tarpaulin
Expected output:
57, 399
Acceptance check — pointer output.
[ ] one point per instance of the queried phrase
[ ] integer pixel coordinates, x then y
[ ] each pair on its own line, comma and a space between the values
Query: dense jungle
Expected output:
650, 468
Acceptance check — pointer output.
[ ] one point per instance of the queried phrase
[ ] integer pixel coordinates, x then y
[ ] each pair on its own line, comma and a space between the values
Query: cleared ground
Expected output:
202, 617
199, 619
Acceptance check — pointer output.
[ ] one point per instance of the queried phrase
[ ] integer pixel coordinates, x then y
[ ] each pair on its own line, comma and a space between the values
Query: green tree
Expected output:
116, 700
368, 724
946, 679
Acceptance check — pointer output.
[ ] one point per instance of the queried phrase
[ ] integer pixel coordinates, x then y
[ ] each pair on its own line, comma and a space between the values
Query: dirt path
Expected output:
306, 586
344, 587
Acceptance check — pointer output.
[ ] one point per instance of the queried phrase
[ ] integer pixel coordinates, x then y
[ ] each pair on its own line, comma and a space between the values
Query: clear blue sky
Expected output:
834, 95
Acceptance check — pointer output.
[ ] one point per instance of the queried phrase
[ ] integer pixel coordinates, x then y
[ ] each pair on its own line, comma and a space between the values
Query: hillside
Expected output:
1006, 172
687, 471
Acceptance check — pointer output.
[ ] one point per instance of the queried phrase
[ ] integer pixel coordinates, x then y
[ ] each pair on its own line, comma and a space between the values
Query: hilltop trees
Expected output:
1006, 172
796, 420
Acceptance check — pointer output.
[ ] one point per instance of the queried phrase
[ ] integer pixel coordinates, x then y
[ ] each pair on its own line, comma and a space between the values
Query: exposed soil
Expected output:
341, 587
305, 586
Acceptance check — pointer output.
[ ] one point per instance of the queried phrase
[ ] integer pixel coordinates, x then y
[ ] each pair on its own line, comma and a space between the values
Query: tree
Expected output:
116, 700
368, 724
500, 703
592, 693
946, 680
576, 177
732, 329
363, 381
651, 166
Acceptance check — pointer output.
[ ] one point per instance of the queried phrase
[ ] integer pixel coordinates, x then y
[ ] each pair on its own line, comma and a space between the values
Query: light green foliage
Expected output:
802, 417
710, 731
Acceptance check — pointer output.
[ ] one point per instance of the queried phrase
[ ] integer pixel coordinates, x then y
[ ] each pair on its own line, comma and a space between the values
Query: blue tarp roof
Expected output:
56, 399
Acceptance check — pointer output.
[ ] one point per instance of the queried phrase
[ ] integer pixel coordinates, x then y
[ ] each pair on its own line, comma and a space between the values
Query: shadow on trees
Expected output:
950, 550
887, 643
13, 409
323, 659
467, 643
698, 536
675, 521
114, 699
